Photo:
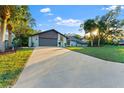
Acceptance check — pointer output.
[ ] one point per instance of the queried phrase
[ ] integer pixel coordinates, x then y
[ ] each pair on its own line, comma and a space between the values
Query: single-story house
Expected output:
121, 42
48, 38
72, 41
6, 43
6, 39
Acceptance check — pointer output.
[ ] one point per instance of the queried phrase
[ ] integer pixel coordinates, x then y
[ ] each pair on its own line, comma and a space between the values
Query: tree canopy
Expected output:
109, 27
17, 20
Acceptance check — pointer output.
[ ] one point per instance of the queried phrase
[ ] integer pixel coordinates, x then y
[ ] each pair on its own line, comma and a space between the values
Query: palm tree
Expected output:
102, 28
9, 27
89, 26
5, 15
19, 22
16, 19
22, 21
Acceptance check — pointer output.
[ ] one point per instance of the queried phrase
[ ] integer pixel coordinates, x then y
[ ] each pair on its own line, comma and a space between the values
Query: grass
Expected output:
11, 66
110, 53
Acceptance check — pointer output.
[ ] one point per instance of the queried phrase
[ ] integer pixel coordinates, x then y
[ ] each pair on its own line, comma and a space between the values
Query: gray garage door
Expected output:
47, 42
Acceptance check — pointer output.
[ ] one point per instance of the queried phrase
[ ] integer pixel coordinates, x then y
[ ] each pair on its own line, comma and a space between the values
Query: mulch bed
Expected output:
8, 52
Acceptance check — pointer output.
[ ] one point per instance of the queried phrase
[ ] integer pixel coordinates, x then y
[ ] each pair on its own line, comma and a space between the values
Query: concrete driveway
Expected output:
51, 67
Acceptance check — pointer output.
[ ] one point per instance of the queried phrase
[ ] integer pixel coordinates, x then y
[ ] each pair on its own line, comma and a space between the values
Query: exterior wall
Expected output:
73, 43
6, 36
34, 41
50, 34
79, 44
29, 41
63, 42
121, 42
48, 38
6, 39
58, 41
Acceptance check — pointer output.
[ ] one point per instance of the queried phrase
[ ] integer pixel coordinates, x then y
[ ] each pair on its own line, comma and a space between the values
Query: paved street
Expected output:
51, 67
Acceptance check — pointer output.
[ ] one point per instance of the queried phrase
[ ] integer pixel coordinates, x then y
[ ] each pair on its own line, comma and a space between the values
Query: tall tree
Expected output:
108, 26
9, 27
89, 26
5, 13
16, 19
21, 21
102, 28
111, 25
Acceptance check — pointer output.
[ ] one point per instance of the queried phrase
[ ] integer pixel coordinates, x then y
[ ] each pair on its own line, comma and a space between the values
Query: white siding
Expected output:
58, 40
7, 35
73, 43
62, 43
34, 41
29, 42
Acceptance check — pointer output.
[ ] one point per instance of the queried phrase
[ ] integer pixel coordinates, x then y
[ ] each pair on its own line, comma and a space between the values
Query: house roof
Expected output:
121, 40
49, 31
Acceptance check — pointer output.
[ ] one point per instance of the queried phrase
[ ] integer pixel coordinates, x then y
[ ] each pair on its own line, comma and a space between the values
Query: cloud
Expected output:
50, 14
45, 10
122, 7
67, 22
113, 7
58, 18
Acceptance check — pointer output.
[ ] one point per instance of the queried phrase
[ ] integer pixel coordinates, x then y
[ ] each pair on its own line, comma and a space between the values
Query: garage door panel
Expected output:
47, 42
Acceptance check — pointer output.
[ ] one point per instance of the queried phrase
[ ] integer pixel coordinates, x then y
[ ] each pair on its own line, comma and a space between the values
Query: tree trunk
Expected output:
99, 39
2, 35
91, 36
91, 43
99, 42
9, 39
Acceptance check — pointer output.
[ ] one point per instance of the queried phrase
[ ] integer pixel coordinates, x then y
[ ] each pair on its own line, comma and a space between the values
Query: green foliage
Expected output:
22, 21
109, 27
22, 39
77, 36
19, 21
89, 25
102, 26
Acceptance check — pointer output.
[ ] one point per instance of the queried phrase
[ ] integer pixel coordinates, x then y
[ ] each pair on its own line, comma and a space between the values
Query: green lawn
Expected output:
11, 66
110, 53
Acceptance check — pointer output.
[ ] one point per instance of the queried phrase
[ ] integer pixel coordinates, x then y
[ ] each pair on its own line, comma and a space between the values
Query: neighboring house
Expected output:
121, 42
48, 38
72, 41
6, 39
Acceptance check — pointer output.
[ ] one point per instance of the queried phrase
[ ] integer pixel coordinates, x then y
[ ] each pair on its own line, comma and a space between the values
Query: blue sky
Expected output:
66, 19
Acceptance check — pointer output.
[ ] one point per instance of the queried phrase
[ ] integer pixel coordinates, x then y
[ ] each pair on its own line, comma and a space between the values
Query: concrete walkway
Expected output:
61, 68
